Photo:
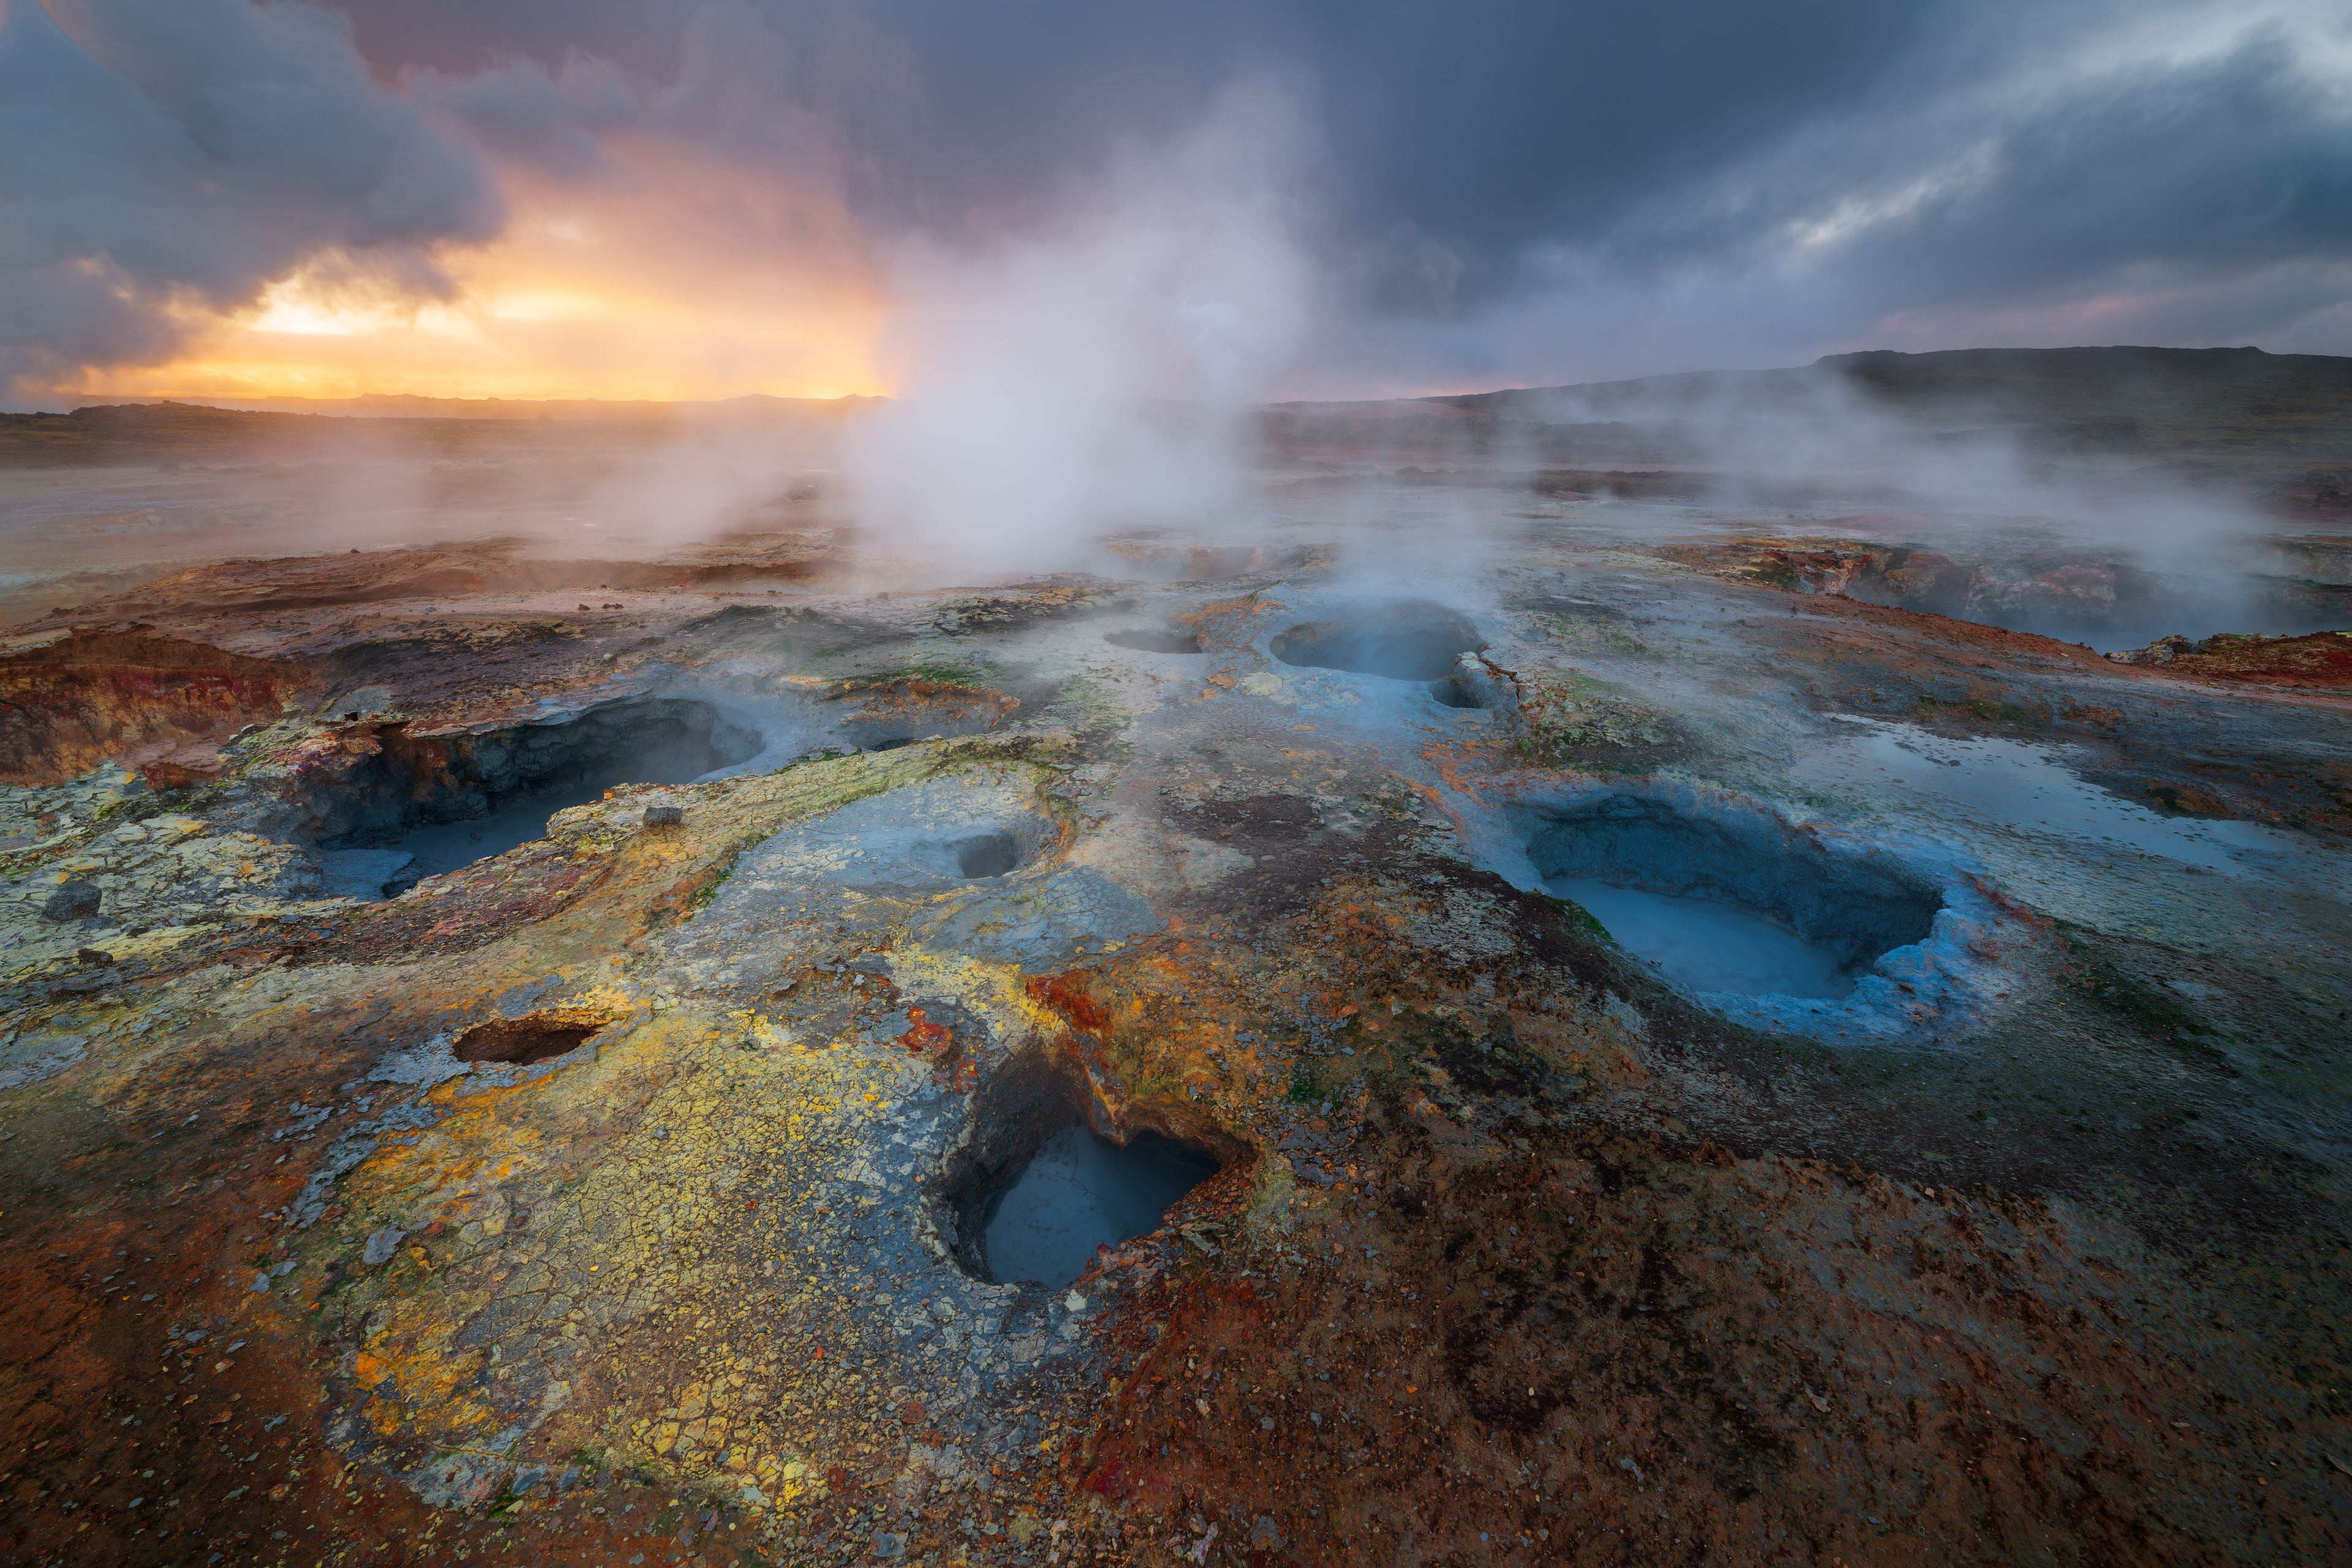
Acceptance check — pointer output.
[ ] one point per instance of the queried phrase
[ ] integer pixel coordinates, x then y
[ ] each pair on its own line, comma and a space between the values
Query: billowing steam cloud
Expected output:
1093, 372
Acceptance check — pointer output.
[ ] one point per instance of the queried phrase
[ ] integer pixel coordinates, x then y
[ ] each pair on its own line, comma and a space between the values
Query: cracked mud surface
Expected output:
604, 1199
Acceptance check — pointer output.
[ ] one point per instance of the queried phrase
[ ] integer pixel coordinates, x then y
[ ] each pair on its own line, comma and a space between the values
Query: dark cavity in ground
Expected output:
988, 855
1408, 639
520, 1040
1149, 639
449, 801
1080, 1191
1455, 692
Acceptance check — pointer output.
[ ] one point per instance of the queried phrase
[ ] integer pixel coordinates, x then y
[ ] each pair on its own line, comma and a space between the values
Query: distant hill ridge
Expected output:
2025, 380
2294, 407
412, 406
1942, 371
2274, 422
175, 432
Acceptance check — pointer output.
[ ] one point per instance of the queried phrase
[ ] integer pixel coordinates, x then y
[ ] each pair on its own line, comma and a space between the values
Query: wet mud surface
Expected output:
632, 1193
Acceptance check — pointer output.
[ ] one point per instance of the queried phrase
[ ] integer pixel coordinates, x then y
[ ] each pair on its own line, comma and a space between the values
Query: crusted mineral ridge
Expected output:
1517, 1254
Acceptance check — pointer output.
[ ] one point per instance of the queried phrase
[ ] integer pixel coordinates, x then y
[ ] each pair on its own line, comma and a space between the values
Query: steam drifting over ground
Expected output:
1094, 370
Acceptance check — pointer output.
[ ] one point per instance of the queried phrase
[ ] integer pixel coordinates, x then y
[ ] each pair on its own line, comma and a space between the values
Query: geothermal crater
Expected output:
448, 801
1037, 1194
1407, 640
1726, 897
1150, 639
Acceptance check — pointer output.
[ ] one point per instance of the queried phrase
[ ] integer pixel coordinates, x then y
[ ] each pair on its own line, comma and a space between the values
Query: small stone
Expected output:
381, 1245
664, 815
73, 901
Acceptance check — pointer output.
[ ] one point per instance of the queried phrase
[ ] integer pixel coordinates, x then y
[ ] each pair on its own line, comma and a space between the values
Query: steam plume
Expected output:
1093, 371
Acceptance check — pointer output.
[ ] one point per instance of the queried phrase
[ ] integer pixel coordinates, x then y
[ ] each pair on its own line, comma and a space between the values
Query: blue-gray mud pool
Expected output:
1709, 946
439, 846
1726, 899
453, 802
1080, 1191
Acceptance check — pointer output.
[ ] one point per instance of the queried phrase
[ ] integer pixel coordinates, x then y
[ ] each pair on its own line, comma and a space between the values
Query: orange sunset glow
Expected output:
668, 279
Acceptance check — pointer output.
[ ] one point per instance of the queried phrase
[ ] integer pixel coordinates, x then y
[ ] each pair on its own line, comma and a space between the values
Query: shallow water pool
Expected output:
2031, 791
440, 847
493, 790
1080, 1191
1708, 946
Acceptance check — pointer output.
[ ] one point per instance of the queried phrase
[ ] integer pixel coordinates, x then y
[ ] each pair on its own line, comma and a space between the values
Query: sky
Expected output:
1233, 199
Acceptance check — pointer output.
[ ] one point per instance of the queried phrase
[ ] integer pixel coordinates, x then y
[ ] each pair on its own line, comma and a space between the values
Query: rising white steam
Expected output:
1095, 372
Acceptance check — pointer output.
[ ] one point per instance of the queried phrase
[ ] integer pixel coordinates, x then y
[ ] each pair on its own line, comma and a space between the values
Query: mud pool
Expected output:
494, 792
438, 846
1731, 894
1407, 640
1709, 946
1081, 1192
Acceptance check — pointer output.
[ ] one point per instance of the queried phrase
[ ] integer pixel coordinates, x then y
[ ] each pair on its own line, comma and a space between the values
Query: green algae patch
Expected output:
1086, 705
1983, 710
1570, 720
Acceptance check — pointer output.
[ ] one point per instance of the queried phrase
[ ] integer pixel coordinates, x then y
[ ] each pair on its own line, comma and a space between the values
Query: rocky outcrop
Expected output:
2322, 660
151, 703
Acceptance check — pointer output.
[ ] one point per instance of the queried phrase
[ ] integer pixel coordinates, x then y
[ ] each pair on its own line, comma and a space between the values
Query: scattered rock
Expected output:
73, 901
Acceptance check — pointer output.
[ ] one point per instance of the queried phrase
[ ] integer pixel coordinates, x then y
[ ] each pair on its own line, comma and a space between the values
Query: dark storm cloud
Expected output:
197, 151
1474, 130
2200, 198
1503, 188
1468, 149
2241, 161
